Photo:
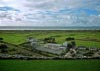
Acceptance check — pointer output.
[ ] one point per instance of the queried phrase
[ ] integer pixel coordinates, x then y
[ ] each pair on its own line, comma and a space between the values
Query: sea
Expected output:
47, 28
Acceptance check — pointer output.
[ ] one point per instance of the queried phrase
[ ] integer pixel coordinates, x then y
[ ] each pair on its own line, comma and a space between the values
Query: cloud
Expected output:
49, 13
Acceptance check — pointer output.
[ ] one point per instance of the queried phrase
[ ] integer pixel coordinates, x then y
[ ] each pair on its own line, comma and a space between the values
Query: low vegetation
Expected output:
83, 38
15, 38
50, 65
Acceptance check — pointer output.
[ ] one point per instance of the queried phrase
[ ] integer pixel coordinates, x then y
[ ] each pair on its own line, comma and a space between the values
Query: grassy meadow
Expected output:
83, 38
50, 65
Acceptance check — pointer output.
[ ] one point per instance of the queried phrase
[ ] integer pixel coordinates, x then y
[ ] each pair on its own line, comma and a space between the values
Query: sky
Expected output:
50, 13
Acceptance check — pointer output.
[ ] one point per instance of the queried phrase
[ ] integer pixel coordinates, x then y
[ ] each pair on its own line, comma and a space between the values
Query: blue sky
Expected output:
50, 13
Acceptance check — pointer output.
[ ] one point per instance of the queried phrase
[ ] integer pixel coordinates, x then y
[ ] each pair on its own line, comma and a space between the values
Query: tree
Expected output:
73, 42
49, 40
1, 39
68, 39
3, 48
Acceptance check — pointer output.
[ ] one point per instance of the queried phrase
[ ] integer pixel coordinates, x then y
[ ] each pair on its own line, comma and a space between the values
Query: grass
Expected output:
18, 37
88, 43
50, 65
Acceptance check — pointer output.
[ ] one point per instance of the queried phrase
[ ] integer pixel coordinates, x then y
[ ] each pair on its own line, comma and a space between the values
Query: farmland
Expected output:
83, 38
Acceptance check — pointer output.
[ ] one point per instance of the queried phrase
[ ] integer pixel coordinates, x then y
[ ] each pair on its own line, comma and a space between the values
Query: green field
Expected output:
83, 38
50, 65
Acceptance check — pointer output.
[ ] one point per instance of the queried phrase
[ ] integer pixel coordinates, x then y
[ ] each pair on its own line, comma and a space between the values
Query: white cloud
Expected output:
49, 13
